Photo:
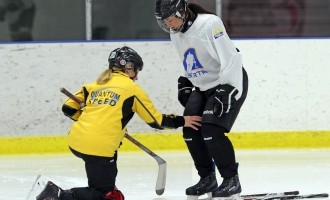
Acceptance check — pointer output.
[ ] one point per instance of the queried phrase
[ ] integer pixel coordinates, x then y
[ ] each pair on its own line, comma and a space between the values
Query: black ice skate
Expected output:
229, 189
204, 186
50, 192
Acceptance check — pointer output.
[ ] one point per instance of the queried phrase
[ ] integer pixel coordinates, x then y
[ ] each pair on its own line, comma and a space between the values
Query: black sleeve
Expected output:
169, 121
69, 111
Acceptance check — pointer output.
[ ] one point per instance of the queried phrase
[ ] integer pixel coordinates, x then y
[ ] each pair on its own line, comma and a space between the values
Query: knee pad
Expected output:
209, 130
190, 133
192, 138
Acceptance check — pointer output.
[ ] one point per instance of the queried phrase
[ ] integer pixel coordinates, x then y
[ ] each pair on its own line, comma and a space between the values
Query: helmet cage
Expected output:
162, 24
167, 8
119, 57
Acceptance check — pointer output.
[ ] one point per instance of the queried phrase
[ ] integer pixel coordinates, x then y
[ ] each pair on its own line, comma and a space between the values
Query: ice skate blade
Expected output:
207, 196
232, 197
37, 187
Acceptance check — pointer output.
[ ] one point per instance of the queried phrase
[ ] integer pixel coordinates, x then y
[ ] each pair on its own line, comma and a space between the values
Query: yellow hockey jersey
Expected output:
100, 126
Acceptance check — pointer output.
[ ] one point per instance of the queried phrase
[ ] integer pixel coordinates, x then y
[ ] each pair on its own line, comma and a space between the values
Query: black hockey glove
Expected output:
224, 99
184, 90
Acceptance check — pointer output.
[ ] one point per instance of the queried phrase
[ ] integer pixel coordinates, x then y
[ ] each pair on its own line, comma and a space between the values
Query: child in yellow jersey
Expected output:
99, 127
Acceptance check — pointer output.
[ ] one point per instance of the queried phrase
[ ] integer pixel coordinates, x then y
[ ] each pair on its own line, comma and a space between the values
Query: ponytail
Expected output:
197, 9
104, 77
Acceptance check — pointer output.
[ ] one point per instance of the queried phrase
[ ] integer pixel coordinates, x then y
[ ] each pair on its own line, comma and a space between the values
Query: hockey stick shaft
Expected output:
73, 97
161, 177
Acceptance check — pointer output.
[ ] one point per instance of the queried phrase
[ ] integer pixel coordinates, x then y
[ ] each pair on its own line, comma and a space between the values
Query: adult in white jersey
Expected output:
214, 86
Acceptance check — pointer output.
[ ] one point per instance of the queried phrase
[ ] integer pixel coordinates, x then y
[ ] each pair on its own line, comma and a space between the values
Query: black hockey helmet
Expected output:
120, 56
167, 8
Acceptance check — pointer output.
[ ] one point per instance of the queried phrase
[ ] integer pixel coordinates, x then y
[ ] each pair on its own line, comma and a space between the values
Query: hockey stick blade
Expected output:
261, 195
161, 177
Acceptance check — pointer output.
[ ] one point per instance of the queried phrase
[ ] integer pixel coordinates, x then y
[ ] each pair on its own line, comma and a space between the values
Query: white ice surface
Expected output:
306, 170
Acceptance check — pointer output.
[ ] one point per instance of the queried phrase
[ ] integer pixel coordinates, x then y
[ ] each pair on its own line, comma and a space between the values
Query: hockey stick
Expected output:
161, 177
286, 197
308, 196
261, 195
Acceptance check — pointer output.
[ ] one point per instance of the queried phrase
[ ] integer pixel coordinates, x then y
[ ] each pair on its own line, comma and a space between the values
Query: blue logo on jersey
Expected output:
190, 61
192, 65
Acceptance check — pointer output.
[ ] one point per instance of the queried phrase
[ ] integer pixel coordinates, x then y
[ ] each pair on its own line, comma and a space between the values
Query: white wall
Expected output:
289, 83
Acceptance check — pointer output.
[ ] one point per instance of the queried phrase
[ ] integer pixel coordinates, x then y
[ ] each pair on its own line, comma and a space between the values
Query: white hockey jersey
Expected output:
208, 55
